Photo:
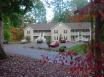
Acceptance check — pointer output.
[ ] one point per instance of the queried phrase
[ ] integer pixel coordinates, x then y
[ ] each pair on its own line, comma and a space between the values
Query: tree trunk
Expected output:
98, 51
92, 35
2, 53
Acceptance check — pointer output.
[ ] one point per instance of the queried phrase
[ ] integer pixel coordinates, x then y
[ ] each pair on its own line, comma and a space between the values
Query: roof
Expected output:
42, 26
48, 26
79, 25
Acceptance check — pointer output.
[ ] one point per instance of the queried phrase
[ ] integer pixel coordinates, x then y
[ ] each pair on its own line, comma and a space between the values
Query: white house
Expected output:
80, 31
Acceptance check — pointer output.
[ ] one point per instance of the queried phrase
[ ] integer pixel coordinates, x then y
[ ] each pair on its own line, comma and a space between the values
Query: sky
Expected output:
49, 14
49, 11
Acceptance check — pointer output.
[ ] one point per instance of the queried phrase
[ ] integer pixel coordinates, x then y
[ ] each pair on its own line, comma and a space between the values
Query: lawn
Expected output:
79, 48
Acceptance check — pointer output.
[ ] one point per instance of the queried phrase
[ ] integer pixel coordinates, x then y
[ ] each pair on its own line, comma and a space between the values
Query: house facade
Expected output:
56, 31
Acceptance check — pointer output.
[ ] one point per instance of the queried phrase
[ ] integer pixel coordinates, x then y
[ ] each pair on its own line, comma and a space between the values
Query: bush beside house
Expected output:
6, 35
62, 49
48, 40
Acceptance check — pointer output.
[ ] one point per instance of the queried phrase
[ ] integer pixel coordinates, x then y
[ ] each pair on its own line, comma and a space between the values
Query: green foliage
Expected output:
80, 49
62, 49
8, 7
13, 10
79, 4
10, 10
64, 17
6, 35
37, 14
48, 40
15, 20
61, 10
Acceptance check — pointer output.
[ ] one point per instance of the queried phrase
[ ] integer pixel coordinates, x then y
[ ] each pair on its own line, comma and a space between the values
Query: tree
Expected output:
98, 26
9, 8
79, 4
37, 14
64, 17
14, 20
98, 11
61, 10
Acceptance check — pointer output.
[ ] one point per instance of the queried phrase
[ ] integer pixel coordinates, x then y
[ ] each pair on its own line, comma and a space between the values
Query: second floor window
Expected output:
74, 30
55, 31
65, 31
28, 32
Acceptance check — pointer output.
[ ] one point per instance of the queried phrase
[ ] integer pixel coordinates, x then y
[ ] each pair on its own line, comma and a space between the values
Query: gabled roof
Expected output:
49, 26
42, 26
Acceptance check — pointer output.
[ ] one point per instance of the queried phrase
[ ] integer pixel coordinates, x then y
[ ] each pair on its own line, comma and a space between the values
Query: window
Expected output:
41, 31
86, 36
47, 30
54, 38
35, 31
65, 37
55, 31
73, 38
74, 30
85, 30
57, 37
65, 31
28, 32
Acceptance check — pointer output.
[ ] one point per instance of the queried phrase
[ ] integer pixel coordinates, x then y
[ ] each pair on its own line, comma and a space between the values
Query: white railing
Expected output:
81, 33
45, 34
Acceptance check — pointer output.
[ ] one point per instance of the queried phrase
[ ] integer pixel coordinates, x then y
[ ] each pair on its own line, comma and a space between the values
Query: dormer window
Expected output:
28, 32
55, 31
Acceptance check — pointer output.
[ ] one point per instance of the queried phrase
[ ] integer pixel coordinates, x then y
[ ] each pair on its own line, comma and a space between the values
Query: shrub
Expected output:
6, 35
48, 41
62, 48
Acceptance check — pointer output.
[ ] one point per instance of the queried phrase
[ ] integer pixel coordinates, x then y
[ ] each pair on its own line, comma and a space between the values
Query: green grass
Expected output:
80, 49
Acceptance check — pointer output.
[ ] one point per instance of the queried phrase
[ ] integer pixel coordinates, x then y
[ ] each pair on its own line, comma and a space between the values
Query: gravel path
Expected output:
20, 66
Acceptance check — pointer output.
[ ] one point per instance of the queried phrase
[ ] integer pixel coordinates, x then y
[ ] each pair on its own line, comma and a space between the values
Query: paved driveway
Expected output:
25, 50
44, 45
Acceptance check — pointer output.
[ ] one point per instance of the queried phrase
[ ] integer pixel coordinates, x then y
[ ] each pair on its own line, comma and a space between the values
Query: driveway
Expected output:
44, 45
25, 50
